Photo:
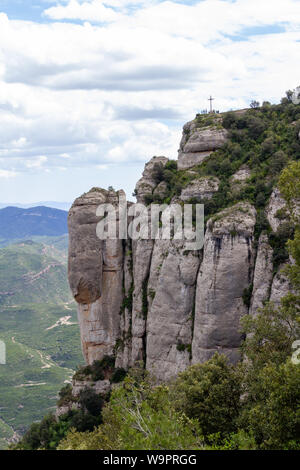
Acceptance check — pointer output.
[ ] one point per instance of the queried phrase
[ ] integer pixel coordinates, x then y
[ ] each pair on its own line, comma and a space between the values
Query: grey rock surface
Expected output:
95, 275
147, 183
170, 316
275, 204
200, 188
225, 272
263, 275
198, 143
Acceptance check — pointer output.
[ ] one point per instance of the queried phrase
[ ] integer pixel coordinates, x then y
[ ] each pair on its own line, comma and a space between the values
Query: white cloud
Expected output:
7, 174
37, 162
117, 88
85, 11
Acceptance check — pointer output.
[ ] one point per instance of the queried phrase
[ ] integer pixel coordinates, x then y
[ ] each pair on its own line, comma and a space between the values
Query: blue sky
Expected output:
91, 89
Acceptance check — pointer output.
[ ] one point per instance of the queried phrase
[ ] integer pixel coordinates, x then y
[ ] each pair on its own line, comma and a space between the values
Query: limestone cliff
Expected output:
156, 302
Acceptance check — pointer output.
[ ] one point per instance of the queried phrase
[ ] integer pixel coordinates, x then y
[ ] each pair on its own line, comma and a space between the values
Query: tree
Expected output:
271, 333
254, 104
289, 95
209, 392
272, 411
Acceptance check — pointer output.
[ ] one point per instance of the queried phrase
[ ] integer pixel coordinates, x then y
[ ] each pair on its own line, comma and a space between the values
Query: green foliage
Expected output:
293, 270
158, 172
265, 139
139, 416
44, 435
65, 395
278, 242
182, 347
254, 104
118, 375
289, 185
272, 407
271, 382
247, 295
50, 431
99, 370
90, 401
209, 392
271, 333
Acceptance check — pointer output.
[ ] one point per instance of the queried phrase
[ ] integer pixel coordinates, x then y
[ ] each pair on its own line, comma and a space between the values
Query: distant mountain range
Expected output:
64, 206
17, 223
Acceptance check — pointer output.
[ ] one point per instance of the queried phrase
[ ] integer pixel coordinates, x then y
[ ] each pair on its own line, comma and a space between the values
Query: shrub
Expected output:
118, 375
229, 120
158, 172
90, 401
65, 395
247, 294
278, 242
255, 126
171, 165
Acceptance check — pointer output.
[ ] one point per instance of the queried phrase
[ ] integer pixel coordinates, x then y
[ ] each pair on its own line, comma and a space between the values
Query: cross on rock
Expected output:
211, 100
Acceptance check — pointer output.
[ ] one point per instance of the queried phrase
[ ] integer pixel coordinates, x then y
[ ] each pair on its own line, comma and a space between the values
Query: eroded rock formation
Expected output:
154, 301
198, 143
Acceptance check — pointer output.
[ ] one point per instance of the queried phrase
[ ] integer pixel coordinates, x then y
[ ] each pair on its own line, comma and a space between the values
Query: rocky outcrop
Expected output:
100, 387
276, 203
148, 183
280, 287
95, 275
201, 188
238, 180
198, 143
152, 300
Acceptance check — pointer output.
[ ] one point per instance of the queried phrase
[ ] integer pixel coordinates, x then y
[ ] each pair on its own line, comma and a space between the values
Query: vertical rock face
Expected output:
95, 275
142, 252
225, 272
170, 317
263, 275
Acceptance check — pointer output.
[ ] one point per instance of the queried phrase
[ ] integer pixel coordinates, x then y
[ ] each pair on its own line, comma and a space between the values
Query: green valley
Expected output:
38, 324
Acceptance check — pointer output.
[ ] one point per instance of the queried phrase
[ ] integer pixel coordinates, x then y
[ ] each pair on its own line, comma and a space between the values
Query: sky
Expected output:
90, 90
